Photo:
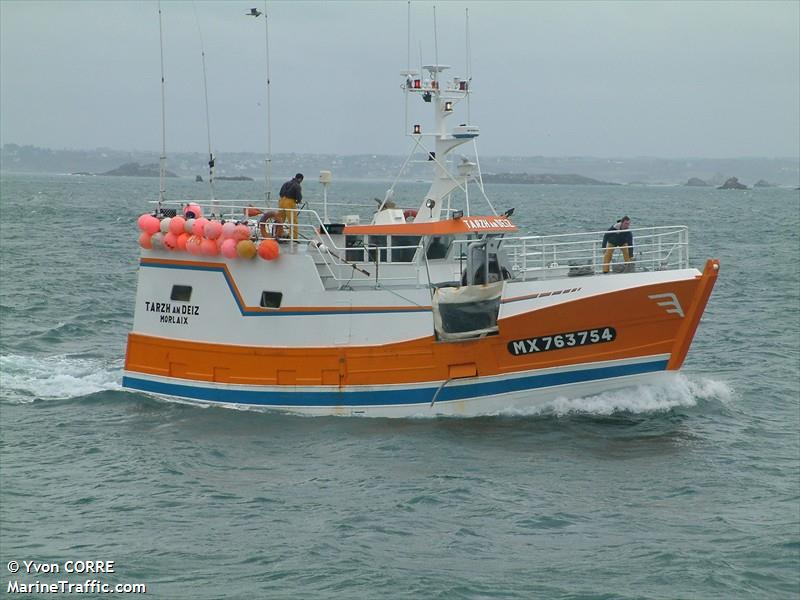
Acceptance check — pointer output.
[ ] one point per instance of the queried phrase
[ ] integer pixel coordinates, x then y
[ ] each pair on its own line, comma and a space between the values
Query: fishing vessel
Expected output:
436, 309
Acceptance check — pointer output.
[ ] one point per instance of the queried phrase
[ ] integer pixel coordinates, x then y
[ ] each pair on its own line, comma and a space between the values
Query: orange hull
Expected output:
649, 320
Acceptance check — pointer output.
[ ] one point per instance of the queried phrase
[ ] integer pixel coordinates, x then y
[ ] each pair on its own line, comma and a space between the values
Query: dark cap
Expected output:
299, 176
625, 218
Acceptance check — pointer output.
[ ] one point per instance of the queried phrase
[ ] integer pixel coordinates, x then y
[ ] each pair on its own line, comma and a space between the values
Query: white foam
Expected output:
673, 392
26, 378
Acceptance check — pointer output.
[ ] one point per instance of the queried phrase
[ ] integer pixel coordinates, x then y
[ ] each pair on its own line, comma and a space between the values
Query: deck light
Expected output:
417, 84
448, 106
457, 214
430, 203
417, 129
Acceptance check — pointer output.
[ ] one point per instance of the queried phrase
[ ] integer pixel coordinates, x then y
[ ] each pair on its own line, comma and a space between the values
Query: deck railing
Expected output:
530, 257
655, 249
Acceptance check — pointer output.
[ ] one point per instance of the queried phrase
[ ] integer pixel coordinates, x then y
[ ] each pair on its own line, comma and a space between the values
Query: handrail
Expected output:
657, 248
529, 256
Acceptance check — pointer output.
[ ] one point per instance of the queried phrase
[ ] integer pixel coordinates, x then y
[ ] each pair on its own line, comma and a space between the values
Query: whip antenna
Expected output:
469, 67
208, 119
408, 66
408, 38
435, 44
163, 158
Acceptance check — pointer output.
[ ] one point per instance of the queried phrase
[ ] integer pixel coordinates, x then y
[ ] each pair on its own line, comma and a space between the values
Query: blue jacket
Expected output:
291, 189
617, 237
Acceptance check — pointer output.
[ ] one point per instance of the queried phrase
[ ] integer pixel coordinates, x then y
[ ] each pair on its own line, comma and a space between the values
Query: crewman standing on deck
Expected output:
618, 236
291, 195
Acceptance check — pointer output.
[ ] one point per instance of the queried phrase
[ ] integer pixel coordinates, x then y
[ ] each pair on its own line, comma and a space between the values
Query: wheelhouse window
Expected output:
438, 247
389, 248
181, 293
404, 247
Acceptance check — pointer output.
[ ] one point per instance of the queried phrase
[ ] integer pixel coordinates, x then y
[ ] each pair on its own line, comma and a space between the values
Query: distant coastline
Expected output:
781, 172
543, 179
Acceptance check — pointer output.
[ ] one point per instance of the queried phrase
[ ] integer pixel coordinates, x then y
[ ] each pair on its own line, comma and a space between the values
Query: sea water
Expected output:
689, 489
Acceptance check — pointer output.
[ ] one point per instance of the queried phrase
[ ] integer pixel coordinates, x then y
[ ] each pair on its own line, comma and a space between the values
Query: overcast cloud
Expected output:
666, 79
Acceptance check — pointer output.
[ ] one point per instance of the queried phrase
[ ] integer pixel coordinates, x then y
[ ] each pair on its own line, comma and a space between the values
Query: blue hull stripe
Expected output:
249, 312
387, 397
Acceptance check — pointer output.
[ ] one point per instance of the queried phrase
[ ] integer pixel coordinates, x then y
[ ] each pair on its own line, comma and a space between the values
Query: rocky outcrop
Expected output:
134, 169
234, 178
762, 183
543, 179
696, 182
732, 183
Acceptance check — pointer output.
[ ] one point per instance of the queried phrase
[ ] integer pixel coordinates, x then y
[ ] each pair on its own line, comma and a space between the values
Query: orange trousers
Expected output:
288, 214
626, 254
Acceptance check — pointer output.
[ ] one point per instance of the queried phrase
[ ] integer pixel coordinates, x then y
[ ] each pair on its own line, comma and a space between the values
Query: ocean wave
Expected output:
27, 378
674, 391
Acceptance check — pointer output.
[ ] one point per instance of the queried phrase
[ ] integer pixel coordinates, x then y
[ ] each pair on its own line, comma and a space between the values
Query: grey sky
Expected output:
667, 79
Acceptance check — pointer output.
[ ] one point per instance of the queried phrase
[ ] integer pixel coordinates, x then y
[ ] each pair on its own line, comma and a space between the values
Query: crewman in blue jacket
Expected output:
291, 195
618, 236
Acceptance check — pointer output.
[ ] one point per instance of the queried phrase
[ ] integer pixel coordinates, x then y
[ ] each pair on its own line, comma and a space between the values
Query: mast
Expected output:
442, 95
254, 12
268, 160
162, 167
211, 160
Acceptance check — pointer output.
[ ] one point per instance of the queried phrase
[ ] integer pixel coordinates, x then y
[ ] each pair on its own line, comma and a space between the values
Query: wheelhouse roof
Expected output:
490, 224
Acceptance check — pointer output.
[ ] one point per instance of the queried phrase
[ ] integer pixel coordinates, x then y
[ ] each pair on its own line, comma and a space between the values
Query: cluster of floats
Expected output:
195, 234
434, 311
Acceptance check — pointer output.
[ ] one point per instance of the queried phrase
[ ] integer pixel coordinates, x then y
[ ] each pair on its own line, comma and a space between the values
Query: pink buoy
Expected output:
176, 225
192, 211
182, 238
148, 223
241, 232
228, 229
144, 241
170, 241
199, 226
246, 249
269, 249
208, 247
229, 248
213, 229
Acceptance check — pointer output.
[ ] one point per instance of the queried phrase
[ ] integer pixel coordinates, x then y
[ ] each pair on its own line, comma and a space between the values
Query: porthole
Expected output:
271, 299
181, 293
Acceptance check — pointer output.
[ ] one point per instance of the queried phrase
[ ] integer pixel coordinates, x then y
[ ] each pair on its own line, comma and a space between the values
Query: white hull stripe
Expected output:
422, 395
